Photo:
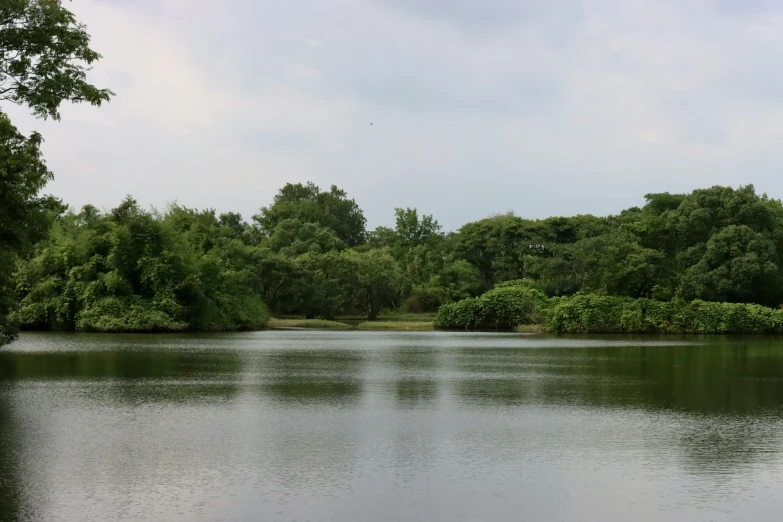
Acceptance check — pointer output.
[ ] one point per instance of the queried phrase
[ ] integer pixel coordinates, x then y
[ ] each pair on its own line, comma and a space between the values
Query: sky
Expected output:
542, 108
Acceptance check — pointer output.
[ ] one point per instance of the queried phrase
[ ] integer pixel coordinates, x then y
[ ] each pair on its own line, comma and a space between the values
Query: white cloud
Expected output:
575, 107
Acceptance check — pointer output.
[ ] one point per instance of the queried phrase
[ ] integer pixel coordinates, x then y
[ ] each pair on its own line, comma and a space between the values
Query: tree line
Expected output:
309, 254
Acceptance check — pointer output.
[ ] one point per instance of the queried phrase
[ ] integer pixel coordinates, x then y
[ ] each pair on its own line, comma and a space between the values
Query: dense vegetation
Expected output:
705, 262
665, 267
129, 269
510, 307
132, 270
44, 57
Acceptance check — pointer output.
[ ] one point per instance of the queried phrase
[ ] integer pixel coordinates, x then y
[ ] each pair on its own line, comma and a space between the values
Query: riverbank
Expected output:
407, 322
309, 324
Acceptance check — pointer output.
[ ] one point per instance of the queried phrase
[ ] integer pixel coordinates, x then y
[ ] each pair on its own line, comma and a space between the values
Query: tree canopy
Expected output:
309, 204
44, 58
179, 269
25, 216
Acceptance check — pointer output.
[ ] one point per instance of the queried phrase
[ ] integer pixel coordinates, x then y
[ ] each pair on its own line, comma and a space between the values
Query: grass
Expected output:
314, 324
530, 328
396, 323
408, 318
386, 325
392, 317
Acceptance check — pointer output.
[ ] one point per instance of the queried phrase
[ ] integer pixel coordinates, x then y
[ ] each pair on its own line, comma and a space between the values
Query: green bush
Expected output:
112, 314
503, 308
507, 307
603, 314
467, 314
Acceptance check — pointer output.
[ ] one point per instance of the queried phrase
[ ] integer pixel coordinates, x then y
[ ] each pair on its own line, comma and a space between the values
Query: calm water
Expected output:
390, 427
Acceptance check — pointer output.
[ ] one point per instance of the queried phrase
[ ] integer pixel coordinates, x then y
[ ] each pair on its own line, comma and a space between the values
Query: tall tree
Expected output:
497, 245
413, 230
737, 265
309, 204
375, 282
23, 214
44, 58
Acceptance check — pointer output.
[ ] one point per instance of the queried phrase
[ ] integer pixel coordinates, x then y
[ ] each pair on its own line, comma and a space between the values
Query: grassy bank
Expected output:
408, 318
412, 323
421, 326
530, 328
312, 324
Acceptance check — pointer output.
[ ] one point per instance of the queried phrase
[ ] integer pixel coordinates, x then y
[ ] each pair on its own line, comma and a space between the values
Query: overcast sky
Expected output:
553, 107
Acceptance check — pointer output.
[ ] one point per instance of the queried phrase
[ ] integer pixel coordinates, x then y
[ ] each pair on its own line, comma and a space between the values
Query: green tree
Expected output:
382, 237
44, 57
309, 204
611, 264
323, 284
24, 215
375, 281
412, 230
705, 212
135, 270
737, 265
292, 238
497, 246
698, 236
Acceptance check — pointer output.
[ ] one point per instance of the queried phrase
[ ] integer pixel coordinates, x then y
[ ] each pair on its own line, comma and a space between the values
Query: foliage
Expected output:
613, 263
604, 314
24, 216
513, 308
133, 270
496, 246
309, 204
292, 237
374, 281
315, 324
425, 298
503, 308
738, 265
510, 306
467, 314
130, 269
322, 287
44, 57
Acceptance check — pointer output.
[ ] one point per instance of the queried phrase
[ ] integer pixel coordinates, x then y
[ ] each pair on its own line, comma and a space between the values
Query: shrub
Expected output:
467, 314
112, 314
503, 308
507, 307
603, 314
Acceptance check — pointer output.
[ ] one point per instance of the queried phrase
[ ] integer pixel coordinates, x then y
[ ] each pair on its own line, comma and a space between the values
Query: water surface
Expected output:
336, 426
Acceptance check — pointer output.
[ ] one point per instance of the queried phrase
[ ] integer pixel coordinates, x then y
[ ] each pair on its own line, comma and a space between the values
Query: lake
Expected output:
353, 426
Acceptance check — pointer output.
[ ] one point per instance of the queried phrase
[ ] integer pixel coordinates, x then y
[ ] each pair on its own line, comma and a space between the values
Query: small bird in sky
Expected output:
370, 123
